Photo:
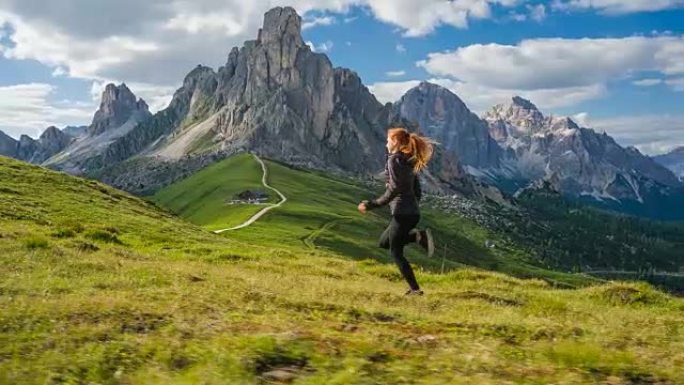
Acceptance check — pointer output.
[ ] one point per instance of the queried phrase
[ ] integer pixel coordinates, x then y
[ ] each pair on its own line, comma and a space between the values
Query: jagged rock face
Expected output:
117, 107
674, 160
75, 131
444, 117
51, 141
587, 163
518, 119
119, 112
274, 96
26, 147
8, 146
283, 100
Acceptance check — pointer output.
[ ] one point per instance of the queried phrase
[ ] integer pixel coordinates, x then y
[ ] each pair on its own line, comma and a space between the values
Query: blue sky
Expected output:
614, 65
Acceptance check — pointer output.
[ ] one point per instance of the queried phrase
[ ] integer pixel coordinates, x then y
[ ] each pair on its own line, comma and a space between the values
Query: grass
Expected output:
174, 303
321, 213
201, 198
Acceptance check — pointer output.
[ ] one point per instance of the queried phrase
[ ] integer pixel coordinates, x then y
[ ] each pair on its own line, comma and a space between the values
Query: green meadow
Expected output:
101, 287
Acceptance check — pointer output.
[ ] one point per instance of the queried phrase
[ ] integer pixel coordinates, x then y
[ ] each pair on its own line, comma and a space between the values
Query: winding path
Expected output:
263, 211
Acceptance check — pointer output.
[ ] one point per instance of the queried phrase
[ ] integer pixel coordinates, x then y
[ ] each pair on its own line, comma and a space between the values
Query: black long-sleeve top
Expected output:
403, 189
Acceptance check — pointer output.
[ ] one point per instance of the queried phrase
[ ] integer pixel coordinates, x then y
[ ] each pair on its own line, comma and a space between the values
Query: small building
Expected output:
249, 197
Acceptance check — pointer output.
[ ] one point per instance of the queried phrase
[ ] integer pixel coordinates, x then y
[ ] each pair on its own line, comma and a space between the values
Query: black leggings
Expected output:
395, 237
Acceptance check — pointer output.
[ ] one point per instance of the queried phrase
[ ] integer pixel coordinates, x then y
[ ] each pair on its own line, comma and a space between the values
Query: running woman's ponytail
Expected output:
417, 148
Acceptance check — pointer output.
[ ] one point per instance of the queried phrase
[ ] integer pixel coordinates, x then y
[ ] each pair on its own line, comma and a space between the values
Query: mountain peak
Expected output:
117, 106
523, 103
280, 22
428, 85
51, 132
442, 115
428, 88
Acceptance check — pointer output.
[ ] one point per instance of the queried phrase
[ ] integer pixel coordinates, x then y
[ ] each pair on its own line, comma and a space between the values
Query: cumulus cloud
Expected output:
617, 7
326, 46
390, 92
28, 109
676, 84
557, 63
537, 12
158, 41
395, 73
647, 82
651, 134
316, 21
400, 48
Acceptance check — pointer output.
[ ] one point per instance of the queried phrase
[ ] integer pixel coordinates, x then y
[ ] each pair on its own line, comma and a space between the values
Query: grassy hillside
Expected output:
321, 214
202, 197
97, 286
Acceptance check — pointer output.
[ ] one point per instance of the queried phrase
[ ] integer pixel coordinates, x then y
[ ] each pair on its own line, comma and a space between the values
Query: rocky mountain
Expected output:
50, 142
75, 131
673, 160
8, 146
274, 96
120, 111
117, 107
587, 164
441, 115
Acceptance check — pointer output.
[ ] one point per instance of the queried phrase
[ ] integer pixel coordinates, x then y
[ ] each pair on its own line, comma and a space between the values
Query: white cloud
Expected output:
348, 20
558, 63
395, 73
617, 7
390, 92
158, 41
316, 21
651, 134
418, 18
517, 16
193, 23
534, 12
326, 46
647, 82
537, 12
676, 84
581, 118
58, 71
400, 48
82, 59
348, 43
27, 109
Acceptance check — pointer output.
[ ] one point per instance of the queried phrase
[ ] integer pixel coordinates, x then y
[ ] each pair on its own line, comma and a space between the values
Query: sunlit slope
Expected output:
321, 214
97, 286
201, 198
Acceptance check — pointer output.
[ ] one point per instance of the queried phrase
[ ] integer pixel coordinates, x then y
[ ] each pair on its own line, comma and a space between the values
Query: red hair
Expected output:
417, 148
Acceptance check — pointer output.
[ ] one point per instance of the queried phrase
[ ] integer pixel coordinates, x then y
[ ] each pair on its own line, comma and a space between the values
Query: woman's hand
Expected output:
362, 207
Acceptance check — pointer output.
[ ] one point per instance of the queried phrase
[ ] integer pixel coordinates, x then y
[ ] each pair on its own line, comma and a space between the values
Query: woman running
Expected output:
408, 154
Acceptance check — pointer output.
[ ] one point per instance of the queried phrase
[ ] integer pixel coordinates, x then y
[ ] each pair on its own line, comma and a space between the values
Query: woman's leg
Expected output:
384, 241
399, 236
